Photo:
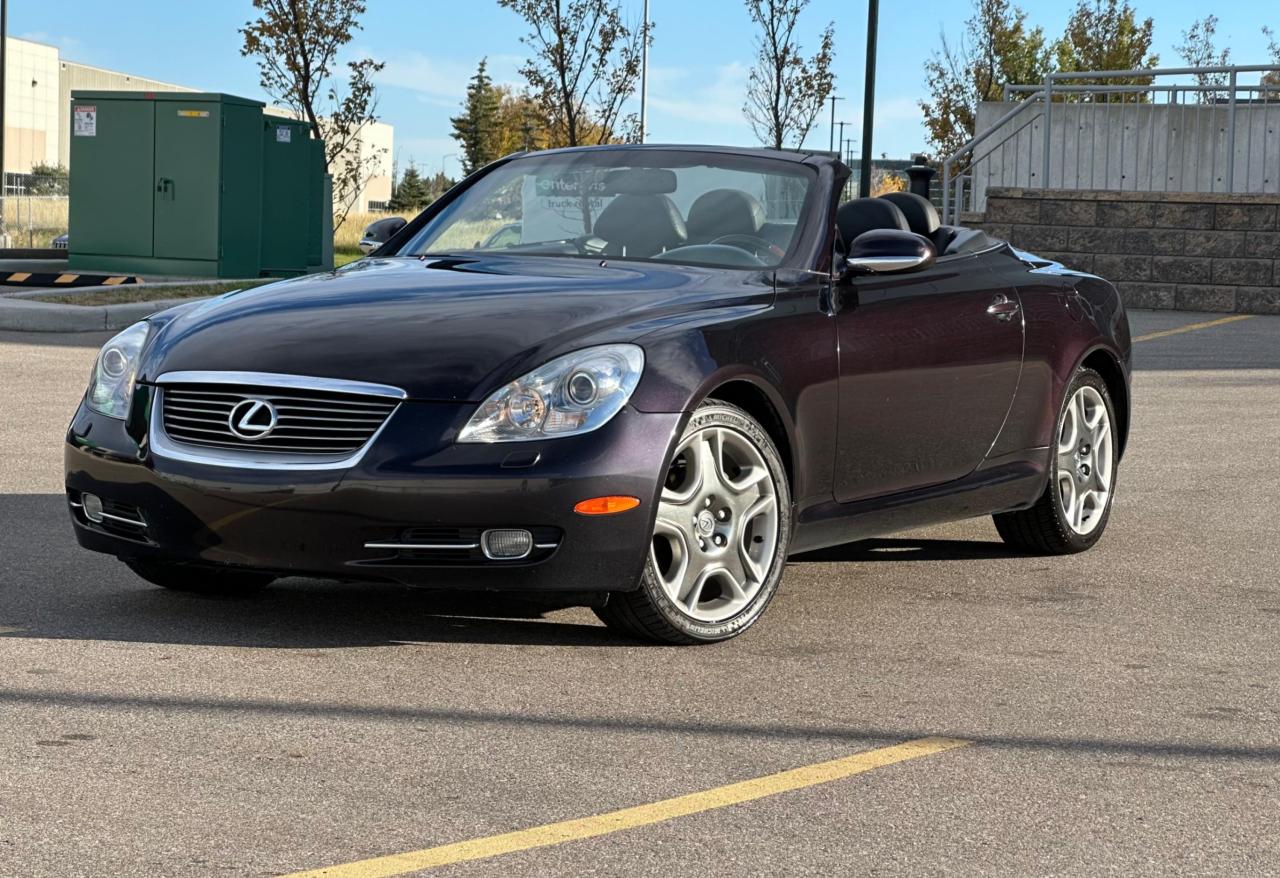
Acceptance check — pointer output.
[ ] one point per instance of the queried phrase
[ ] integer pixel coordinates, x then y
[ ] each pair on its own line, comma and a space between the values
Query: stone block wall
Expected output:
1185, 251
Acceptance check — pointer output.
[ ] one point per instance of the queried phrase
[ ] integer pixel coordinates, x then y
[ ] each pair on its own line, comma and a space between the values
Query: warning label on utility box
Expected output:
284, 134
84, 120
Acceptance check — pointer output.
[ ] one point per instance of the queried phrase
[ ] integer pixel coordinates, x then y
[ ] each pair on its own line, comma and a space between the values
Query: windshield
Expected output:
698, 208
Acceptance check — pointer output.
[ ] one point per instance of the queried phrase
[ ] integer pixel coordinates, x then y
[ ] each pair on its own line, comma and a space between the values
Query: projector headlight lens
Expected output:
573, 394
114, 372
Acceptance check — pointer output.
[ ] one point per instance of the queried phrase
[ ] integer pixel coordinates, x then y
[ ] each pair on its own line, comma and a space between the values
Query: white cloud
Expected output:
717, 100
442, 82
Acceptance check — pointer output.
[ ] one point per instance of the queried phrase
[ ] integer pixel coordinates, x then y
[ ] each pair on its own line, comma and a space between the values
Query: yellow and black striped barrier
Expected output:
64, 279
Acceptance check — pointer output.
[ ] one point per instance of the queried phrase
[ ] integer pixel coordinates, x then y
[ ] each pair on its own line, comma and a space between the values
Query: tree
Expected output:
1272, 78
997, 48
786, 91
521, 126
1197, 49
1106, 35
48, 180
296, 43
585, 66
476, 128
411, 194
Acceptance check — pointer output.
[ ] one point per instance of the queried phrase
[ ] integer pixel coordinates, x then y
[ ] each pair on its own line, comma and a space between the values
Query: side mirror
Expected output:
888, 251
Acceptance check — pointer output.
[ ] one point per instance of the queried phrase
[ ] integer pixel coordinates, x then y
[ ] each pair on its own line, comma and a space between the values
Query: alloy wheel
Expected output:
717, 525
1085, 461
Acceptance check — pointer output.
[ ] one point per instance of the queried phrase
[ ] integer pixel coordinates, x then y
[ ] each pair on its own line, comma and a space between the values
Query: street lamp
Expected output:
445, 158
644, 76
869, 98
832, 148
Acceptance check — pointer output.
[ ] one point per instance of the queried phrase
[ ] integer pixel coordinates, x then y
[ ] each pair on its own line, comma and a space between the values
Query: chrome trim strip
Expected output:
423, 546
546, 545
285, 382
123, 520
169, 449
886, 264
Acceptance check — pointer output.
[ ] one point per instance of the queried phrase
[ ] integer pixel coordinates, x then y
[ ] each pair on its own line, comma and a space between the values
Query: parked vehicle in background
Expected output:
61, 242
691, 364
380, 232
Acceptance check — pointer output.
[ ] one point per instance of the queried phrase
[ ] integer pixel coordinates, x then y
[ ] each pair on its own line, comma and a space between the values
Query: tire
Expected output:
1073, 512
711, 569
199, 580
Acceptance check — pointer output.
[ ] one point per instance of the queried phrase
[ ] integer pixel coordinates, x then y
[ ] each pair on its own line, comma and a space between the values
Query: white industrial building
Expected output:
38, 87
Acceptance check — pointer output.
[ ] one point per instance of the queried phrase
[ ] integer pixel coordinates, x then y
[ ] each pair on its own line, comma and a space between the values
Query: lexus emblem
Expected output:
252, 419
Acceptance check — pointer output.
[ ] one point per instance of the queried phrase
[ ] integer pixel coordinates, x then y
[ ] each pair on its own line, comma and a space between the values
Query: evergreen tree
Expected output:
476, 128
411, 193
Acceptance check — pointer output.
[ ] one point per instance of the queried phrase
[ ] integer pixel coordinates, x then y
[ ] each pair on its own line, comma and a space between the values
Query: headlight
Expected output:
573, 394
111, 385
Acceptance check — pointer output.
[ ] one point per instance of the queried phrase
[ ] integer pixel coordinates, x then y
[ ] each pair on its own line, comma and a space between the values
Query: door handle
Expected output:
1003, 308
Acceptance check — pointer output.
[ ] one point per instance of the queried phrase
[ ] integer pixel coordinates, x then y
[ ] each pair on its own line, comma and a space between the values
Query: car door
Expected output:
929, 365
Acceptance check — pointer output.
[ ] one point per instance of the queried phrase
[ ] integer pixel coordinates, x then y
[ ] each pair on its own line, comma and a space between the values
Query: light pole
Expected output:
848, 155
644, 76
445, 158
869, 98
832, 148
4, 41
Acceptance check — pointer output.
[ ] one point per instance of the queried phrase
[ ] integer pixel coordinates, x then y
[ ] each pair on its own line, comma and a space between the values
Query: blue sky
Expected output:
702, 51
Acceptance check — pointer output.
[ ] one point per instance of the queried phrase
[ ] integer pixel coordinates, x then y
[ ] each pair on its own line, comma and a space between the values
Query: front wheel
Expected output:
1073, 511
720, 540
199, 580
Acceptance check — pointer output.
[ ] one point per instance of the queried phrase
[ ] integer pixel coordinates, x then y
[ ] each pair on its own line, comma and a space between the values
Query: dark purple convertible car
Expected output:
640, 376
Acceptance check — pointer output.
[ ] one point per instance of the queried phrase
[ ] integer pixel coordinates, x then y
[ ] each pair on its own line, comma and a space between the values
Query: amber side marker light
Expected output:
606, 505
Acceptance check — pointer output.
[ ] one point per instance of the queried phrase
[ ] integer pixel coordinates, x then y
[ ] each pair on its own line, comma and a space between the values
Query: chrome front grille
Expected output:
307, 421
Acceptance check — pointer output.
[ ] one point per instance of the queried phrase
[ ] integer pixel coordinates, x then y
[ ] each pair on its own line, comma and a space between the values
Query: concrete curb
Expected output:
27, 315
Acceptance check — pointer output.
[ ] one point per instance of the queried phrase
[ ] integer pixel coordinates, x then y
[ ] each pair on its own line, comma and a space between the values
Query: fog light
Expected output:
506, 545
92, 504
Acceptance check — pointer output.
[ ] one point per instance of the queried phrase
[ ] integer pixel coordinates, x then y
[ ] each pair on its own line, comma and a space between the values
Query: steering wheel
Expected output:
753, 245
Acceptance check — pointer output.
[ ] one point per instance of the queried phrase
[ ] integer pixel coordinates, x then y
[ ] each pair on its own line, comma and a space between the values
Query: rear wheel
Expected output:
1073, 511
720, 540
199, 580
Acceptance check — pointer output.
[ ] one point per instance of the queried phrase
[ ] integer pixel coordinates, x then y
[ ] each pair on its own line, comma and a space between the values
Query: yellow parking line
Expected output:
1192, 327
641, 815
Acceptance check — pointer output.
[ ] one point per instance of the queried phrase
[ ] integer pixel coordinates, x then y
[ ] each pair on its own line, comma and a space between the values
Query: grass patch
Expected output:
346, 256
145, 293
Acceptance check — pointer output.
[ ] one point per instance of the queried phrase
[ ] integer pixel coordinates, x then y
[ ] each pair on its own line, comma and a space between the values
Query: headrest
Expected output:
865, 214
921, 215
723, 212
644, 225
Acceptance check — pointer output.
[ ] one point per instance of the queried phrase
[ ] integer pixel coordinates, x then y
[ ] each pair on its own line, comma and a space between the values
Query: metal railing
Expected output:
1191, 129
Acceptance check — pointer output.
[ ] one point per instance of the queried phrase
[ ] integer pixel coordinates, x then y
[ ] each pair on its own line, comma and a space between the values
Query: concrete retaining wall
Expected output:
1196, 252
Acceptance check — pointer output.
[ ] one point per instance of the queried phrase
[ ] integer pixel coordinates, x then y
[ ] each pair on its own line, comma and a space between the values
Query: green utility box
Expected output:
168, 183
289, 195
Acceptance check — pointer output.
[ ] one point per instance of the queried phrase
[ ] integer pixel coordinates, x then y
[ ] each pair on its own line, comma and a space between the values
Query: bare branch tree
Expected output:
585, 66
786, 90
1199, 50
296, 44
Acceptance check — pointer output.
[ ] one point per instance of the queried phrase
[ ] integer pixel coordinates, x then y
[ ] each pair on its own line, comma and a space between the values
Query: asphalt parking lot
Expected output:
1116, 712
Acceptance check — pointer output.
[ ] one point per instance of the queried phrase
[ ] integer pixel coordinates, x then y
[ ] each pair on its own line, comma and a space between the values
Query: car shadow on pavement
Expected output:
51, 588
908, 549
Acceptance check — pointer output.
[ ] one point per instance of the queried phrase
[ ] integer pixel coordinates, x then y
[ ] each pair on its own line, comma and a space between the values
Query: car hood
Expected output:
442, 329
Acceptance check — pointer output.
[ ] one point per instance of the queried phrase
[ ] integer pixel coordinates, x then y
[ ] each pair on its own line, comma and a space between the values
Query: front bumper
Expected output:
413, 484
